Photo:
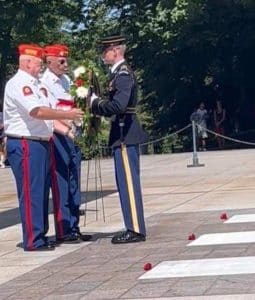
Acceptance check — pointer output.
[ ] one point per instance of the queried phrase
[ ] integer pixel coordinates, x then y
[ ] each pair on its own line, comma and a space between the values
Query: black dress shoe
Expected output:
53, 243
128, 237
45, 247
69, 239
83, 237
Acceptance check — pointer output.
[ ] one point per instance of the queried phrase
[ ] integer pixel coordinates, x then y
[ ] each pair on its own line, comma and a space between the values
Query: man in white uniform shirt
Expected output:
2, 141
29, 127
66, 167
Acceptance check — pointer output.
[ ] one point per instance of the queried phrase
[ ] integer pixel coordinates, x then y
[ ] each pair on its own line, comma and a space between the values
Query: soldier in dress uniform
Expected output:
29, 127
125, 136
66, 169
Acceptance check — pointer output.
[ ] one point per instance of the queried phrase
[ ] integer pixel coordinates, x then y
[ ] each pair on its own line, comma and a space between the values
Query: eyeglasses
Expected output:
62, 61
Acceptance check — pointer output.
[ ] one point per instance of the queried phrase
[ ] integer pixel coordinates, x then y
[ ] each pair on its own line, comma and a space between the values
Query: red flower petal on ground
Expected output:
223, 216
192, 237
79, 82
147, 266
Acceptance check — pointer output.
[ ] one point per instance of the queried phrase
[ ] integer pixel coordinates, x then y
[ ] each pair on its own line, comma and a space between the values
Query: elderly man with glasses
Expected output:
67, 156
28, 126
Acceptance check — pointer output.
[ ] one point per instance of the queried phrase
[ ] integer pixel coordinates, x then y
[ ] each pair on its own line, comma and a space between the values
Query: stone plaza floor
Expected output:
215, 203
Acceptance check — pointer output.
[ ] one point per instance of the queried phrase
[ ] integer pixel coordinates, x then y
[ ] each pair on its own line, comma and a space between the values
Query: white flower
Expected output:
82, 92
78, 71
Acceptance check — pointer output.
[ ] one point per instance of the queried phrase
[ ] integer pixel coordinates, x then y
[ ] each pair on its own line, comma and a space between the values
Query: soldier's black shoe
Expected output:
69, 239
83, 237
45, 247
128, 237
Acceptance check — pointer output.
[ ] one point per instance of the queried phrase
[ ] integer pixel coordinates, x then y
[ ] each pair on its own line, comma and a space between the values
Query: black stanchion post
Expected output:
195, 156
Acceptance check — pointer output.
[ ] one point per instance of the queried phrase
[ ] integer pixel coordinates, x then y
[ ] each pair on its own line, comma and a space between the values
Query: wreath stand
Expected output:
94, 176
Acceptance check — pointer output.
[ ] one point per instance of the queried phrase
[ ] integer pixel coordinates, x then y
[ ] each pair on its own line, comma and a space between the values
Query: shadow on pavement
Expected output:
11, 217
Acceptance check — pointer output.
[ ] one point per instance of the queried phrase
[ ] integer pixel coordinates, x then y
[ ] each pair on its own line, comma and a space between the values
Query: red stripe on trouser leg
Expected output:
27, 195
55, 193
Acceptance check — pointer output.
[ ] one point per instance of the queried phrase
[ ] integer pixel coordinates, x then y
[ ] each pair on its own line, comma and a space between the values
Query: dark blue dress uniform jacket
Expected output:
121, 106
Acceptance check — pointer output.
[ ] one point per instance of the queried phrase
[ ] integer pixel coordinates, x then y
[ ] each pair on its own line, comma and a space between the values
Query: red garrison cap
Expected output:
57, 50
31, 50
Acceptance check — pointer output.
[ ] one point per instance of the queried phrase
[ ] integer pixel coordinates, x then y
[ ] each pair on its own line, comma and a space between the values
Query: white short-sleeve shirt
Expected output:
22, 95
59, 86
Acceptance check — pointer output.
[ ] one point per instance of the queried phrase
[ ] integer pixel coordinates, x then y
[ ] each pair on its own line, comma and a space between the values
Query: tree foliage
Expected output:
35, 21
183, 51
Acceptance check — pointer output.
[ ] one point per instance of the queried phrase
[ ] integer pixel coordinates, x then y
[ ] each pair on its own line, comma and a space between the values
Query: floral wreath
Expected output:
86, 130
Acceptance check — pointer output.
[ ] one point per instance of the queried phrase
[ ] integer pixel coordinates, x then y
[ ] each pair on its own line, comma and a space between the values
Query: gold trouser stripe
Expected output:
130, 188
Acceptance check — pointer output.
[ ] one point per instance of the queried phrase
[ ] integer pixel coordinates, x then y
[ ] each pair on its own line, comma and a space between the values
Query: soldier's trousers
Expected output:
127, 171
66, 193
30, 163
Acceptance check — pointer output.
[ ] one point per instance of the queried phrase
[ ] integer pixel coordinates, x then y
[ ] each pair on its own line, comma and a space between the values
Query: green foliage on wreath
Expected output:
90, 136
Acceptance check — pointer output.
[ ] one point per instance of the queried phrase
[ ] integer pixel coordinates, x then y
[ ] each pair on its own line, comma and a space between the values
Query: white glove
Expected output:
92, 98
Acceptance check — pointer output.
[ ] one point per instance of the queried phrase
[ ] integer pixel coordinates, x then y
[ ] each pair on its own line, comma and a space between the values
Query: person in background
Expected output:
200, 116
219, 116
29, 128
125, 136
66, 189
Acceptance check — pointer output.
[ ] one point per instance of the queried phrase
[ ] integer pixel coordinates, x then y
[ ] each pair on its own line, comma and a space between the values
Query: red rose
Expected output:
223, 216
79, 82
147, 266
191, 237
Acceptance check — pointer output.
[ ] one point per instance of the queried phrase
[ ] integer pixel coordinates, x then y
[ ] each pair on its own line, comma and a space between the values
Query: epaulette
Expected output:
124, 70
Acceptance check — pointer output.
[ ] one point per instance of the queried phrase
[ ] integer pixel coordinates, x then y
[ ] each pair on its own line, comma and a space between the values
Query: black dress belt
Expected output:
34, 138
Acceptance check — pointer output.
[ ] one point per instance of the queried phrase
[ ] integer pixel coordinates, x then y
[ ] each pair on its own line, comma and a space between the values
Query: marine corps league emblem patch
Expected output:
27, 91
